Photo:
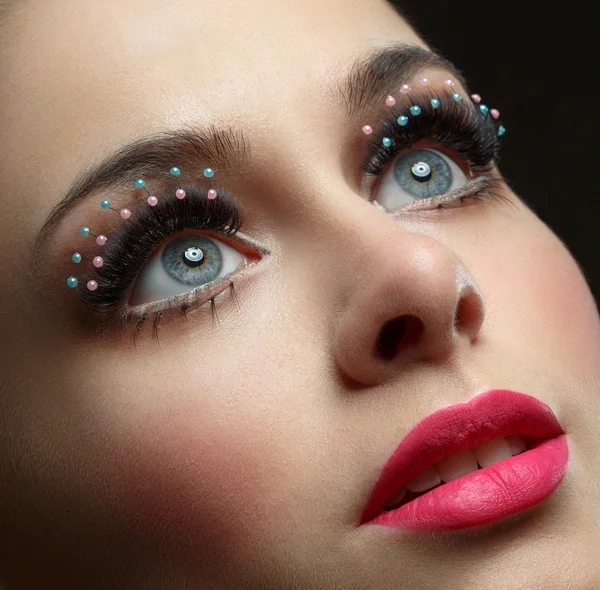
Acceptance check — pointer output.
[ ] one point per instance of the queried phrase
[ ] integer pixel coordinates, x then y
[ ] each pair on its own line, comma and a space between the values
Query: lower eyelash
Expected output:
482, 189
139, 317
161, 313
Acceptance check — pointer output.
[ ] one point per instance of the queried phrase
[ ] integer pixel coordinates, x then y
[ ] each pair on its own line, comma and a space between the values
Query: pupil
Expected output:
421, 172
193, 257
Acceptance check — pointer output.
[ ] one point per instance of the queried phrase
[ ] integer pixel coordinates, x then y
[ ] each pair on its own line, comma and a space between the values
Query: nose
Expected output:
414, 301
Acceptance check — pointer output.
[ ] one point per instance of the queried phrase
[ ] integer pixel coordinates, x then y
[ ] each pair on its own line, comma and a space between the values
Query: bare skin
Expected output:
241, 455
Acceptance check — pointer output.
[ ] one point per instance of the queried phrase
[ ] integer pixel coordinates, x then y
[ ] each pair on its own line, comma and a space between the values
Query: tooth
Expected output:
396, 498
457, 465
517, 444
428, 479
492, 451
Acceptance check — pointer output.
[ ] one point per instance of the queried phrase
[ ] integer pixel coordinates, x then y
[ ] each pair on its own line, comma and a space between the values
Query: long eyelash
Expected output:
456, 125
155, 326
214, 312
237, 303
137, 327
182, 308
131, 245
480, 189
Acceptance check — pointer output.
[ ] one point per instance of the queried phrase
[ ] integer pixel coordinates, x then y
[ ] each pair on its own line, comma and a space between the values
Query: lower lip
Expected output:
487, 495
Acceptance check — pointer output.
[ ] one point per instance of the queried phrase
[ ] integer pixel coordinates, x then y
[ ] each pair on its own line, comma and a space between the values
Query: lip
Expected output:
488, 494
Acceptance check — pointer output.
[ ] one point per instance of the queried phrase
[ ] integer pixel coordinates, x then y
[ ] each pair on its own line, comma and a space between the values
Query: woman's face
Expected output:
237, 444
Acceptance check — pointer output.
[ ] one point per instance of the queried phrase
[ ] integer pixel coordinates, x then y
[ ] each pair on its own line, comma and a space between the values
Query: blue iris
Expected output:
192, 260
423, 174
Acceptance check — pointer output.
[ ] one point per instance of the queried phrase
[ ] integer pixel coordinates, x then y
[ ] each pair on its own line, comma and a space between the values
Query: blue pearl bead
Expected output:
435, 103
209, 172
85, 231
484, 109
72, 282
387, 142
105, 204
456, 96
76, 258
501, 130
140, 183
402, 120
415, 110
175, 171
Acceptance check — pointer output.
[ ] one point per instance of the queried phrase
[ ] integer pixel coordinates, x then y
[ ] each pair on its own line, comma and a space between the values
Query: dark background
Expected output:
538, 67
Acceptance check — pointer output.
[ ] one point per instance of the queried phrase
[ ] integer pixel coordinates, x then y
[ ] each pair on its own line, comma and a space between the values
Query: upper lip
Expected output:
455, 428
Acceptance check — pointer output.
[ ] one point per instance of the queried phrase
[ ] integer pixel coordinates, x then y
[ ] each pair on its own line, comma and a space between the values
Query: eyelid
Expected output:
368, 180
205, 292
194, 297
249, 241
477, 185
154, 283
197, 298
395, 190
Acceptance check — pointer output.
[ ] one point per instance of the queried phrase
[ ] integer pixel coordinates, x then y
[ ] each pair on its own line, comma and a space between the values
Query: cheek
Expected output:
566, 309
540, 295
190, 482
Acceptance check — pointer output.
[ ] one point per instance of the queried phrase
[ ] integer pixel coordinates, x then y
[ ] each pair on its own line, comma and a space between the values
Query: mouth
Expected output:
471, 464
458, 465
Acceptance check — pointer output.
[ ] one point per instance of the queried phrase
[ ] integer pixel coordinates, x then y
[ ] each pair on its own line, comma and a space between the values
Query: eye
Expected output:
183, 264
416, 175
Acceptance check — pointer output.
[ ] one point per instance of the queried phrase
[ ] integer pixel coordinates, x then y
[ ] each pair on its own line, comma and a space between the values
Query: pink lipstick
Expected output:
483, 496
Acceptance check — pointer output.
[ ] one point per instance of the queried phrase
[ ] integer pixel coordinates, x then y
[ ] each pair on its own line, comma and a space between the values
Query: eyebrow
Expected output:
370, 78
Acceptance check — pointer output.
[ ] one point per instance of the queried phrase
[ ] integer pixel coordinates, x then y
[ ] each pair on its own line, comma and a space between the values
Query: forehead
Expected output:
188, 58
82, 77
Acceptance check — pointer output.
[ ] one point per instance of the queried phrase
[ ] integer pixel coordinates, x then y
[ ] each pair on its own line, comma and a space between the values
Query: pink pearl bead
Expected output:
92, 285
212, 194
180, 193
98, 261
495, 113
425, 82
390, 101
476, 98
101, 240
125, 213
367, 130
449, 83
405, 88
152, 201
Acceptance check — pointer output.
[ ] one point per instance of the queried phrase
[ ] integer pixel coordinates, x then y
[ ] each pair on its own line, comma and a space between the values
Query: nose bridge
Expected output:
372, 244
406, 297
403, 271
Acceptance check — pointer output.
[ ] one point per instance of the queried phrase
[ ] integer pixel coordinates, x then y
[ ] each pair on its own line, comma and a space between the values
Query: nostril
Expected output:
402, 330
467, 317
